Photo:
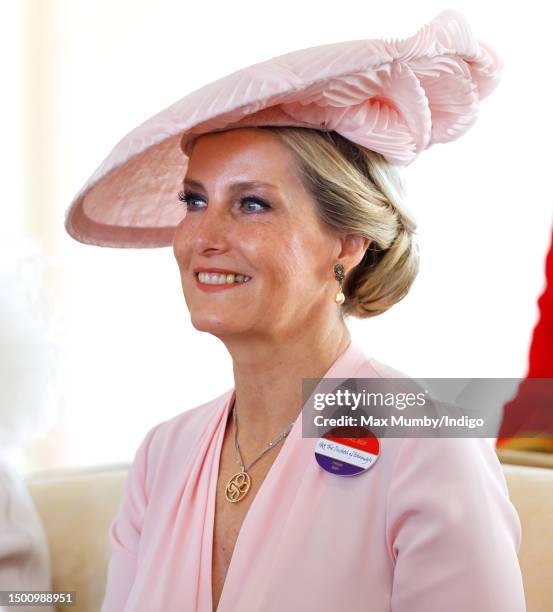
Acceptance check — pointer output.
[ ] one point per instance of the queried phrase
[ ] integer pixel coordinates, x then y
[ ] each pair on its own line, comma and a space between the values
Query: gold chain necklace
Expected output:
239, 485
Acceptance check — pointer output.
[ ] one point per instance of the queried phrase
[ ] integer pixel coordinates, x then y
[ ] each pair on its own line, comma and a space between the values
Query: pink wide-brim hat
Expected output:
395, 97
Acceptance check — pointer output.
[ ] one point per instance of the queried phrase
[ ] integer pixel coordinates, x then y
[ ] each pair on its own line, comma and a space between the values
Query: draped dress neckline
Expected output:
343, 366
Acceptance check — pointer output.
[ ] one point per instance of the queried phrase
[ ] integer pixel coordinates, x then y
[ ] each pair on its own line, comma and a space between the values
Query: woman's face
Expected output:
269, 232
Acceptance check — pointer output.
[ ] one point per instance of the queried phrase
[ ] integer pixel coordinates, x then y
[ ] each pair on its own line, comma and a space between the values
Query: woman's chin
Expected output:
216, 325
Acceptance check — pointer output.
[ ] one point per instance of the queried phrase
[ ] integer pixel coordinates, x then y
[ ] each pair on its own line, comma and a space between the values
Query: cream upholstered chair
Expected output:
531, 491
525, 457
77, 507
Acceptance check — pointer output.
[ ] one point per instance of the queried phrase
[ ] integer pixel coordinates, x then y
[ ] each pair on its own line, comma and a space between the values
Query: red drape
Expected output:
531, 411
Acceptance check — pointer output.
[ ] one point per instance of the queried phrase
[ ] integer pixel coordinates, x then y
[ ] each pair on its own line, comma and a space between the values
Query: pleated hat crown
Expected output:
395, 97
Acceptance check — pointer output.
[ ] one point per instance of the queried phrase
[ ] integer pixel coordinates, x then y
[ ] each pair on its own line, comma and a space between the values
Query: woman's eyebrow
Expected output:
238, 186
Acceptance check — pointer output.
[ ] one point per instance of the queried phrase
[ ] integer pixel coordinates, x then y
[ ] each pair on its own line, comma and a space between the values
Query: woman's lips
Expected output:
208, 288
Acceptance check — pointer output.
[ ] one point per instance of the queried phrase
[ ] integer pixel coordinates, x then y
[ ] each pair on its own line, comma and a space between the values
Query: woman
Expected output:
287, 232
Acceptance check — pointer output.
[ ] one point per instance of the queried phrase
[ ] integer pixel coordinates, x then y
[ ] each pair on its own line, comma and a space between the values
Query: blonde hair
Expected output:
357, 191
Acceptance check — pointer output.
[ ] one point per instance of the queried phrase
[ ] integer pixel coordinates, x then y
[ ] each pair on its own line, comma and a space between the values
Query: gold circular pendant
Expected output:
238, 486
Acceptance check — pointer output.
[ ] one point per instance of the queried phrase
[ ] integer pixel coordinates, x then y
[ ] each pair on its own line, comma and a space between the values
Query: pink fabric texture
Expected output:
428, 528
396, 97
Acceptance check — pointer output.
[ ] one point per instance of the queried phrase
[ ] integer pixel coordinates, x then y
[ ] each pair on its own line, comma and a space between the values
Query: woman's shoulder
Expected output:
177, 435
383, 370
190, 420
433, 456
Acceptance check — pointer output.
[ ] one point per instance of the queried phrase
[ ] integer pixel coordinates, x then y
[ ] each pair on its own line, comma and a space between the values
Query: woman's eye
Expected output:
188, 198
257, 202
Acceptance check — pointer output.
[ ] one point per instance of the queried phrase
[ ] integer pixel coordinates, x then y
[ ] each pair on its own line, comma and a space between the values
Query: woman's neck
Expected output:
268, 379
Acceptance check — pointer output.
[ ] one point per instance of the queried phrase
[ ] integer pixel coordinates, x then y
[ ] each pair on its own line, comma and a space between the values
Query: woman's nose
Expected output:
213, 227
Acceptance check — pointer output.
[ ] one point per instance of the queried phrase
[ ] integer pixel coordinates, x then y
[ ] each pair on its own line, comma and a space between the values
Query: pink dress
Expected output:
428, 528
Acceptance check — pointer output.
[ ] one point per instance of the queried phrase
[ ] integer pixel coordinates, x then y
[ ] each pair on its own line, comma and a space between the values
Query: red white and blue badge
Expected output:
347, 456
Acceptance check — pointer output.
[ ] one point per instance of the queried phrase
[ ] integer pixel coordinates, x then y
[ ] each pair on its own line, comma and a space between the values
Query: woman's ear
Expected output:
353, 249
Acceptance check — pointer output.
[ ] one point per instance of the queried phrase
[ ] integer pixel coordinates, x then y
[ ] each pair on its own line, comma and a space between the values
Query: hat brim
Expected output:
394, 97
